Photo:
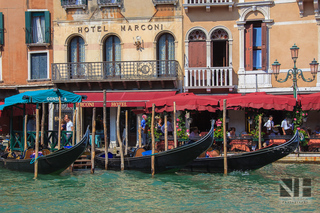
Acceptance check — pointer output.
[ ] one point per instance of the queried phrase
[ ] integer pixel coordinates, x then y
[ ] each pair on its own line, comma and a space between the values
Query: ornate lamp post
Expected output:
295, 73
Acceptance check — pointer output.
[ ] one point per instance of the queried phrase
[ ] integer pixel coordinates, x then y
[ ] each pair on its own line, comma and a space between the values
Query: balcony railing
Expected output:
110, 3
155, 2
206, 78
207, 4
118, 70
74, 4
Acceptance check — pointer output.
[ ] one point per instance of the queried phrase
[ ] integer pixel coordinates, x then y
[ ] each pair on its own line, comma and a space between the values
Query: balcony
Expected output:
110, 3
118, 75
66, 4
156, 2
208, 78
207, 4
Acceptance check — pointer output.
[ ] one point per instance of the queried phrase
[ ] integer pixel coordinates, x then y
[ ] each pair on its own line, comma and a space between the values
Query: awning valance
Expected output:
42, 96
124, 99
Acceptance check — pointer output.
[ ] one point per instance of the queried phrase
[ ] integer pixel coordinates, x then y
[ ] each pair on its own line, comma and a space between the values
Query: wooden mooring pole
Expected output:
42, 122
225, 162
175, 126
59, 127
139, 130
25, 132
165, 133
106, 144
75, 126
153, 142
37, 144
119, 139
126, 139
93, 136
260, 131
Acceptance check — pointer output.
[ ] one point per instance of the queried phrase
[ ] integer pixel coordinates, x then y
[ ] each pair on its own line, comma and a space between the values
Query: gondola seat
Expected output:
28, 153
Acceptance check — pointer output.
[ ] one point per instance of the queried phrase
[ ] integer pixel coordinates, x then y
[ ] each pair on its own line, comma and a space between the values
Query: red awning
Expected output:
184, 101
124, 99
310, 102
262, 100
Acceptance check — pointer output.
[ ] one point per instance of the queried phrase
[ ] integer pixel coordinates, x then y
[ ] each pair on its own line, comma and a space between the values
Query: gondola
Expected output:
166, 161
245, 161
53, 163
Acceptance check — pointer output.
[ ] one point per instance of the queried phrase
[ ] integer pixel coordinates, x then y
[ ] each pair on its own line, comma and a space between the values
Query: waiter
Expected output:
286, 127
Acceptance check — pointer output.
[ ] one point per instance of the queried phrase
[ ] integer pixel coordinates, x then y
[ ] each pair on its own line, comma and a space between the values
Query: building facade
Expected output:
131, 49
230, 46
25, 49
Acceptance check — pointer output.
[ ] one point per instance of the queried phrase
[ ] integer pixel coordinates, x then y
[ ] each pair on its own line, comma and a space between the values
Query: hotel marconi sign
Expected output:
123, 28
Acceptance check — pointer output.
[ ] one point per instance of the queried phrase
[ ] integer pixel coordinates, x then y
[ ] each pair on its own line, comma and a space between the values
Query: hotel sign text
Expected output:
123, 28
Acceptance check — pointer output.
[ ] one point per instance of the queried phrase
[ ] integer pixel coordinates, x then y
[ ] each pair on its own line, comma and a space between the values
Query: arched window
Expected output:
197, 49
112, 53
166, 54
77, 55
219, 48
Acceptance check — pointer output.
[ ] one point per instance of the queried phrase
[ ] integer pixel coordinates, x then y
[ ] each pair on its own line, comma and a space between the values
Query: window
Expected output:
166, 54
219, 48
109, 3
197, 49
76, 56
37, 27
255, 46
74, 3
38, 65
112, 54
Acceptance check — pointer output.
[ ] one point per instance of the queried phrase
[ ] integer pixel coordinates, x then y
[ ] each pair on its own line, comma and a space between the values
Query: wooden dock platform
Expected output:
301, 158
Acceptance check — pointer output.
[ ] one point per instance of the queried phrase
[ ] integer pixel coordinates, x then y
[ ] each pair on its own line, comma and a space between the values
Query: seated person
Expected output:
232, 132
194, 135
316, 131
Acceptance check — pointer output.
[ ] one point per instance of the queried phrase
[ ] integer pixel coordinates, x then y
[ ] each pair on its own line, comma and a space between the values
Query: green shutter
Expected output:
47, 26
1, 29
28, 27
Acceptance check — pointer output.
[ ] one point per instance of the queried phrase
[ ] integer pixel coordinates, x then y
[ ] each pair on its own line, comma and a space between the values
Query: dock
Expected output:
301, 158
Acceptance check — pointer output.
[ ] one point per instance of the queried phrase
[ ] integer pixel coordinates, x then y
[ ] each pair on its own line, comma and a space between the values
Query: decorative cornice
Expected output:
257, 3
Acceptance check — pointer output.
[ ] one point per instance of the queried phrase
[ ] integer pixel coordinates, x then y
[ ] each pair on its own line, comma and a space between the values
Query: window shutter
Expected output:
47, 26
248, 47
28, 27
1, 29
63, 2
264, 46
85, 2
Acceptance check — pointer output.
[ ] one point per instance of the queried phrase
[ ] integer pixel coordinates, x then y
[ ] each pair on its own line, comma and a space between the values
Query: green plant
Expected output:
181, 127
218, 131
298, 115
255, 131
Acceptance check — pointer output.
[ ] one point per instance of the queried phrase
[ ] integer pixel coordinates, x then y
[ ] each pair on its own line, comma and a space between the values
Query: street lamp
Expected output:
292, 73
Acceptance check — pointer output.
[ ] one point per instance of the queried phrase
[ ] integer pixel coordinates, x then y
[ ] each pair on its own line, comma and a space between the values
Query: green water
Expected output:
130, 191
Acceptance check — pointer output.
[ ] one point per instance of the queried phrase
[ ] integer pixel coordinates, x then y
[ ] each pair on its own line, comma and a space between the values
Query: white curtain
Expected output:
38, 31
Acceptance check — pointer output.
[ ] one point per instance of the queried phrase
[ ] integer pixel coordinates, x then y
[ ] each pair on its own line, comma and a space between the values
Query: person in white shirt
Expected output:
269, 124
286, 127
69, 126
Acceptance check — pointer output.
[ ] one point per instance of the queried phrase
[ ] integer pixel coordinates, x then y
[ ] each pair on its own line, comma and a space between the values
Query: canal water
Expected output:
131, 191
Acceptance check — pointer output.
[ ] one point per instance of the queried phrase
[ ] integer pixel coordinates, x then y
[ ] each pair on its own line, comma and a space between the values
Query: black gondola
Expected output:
245, 161
167, 161
53, 163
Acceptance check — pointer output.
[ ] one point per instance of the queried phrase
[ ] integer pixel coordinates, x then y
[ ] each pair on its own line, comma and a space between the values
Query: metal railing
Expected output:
208, 77
130, 70
205, 2
50, 139
109, 3
155, 2
74, 3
